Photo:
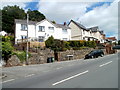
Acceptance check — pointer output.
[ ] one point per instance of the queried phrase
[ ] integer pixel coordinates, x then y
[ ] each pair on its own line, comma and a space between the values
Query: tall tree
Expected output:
9, 13
35, 15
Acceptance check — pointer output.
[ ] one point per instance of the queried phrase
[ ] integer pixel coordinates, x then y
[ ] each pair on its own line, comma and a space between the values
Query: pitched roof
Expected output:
35, 22
79, 25
25, 21
111, 38
62, 26
94, 29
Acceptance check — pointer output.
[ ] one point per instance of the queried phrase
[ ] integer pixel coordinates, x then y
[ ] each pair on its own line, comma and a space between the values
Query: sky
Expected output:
102, 13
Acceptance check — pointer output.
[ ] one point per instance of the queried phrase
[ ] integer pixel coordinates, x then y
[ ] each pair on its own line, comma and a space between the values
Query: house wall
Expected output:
76, 32
19, 32
34, 31
57, 33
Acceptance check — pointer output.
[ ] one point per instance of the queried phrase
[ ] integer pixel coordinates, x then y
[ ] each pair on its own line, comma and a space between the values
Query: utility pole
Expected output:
27, 41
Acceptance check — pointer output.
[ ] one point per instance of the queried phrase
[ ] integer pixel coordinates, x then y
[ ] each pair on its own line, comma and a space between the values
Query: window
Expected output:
65, 39
51, 28
83, 32
41, 38
23, 27
23, 37
64, 30
41, 28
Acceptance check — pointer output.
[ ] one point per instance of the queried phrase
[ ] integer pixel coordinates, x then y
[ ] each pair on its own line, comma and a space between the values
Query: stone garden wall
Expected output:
41, 56
73, 54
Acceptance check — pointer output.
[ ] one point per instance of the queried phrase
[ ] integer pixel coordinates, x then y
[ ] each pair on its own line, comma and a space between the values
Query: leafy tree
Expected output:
0, 20
9, 13
54, 44
118, 42
53, 22
35, 15
49, 42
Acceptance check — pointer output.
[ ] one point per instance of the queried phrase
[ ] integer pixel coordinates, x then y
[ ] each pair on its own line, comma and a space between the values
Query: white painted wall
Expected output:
33, 31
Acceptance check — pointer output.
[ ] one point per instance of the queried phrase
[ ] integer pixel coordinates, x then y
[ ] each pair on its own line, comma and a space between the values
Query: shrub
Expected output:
7, 50
22, 55
49, 42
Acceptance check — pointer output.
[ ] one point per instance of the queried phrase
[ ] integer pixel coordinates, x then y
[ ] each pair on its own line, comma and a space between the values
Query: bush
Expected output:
49, 42
7, 50
58, 45
22, 55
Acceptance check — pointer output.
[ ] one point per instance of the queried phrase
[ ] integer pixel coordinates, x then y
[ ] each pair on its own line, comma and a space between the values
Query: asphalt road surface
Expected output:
100, 72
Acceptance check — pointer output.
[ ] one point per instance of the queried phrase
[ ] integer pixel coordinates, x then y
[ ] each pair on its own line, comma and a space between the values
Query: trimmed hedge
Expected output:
59, 45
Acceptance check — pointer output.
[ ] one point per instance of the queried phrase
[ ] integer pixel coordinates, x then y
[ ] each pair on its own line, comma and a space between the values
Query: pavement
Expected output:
100, 72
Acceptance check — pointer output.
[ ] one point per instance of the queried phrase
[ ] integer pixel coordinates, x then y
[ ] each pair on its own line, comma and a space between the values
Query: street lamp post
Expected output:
27, 41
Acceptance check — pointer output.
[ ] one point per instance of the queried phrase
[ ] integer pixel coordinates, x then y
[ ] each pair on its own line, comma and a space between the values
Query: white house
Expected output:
80, 32
41, 31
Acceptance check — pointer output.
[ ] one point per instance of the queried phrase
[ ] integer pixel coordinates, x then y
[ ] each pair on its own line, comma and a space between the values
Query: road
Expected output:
100, 72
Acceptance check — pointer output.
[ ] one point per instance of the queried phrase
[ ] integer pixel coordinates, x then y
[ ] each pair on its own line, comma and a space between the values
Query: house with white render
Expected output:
40, 31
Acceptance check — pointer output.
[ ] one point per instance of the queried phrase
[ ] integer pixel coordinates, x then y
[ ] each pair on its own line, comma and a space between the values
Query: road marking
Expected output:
59, 67
105, 63
8, 80
70, 78
30, 75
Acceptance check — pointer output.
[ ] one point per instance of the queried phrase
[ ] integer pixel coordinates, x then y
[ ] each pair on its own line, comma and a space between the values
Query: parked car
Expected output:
116, 47
94, 54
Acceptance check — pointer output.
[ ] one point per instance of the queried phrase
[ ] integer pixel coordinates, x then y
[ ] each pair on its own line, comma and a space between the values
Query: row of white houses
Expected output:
41, 31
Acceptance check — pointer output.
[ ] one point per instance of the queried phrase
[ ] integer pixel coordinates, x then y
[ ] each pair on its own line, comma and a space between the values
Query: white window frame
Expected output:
24, 27
41, 38
51, 29
41, 28
64, 30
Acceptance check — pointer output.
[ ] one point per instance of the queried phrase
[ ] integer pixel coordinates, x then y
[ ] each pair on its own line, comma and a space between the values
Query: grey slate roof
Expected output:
34, 22
62, 26
94, 29
24, 21
79, 25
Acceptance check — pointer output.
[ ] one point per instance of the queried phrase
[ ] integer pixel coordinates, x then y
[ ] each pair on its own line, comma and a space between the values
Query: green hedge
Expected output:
59, 45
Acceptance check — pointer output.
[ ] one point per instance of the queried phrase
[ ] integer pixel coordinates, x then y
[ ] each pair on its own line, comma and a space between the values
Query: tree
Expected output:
35, 15
53, 22
54, 44
49, 42
9, 13
0, 20
118, 42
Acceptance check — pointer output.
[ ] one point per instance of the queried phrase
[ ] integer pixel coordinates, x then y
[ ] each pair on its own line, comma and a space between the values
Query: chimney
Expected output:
65, 23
